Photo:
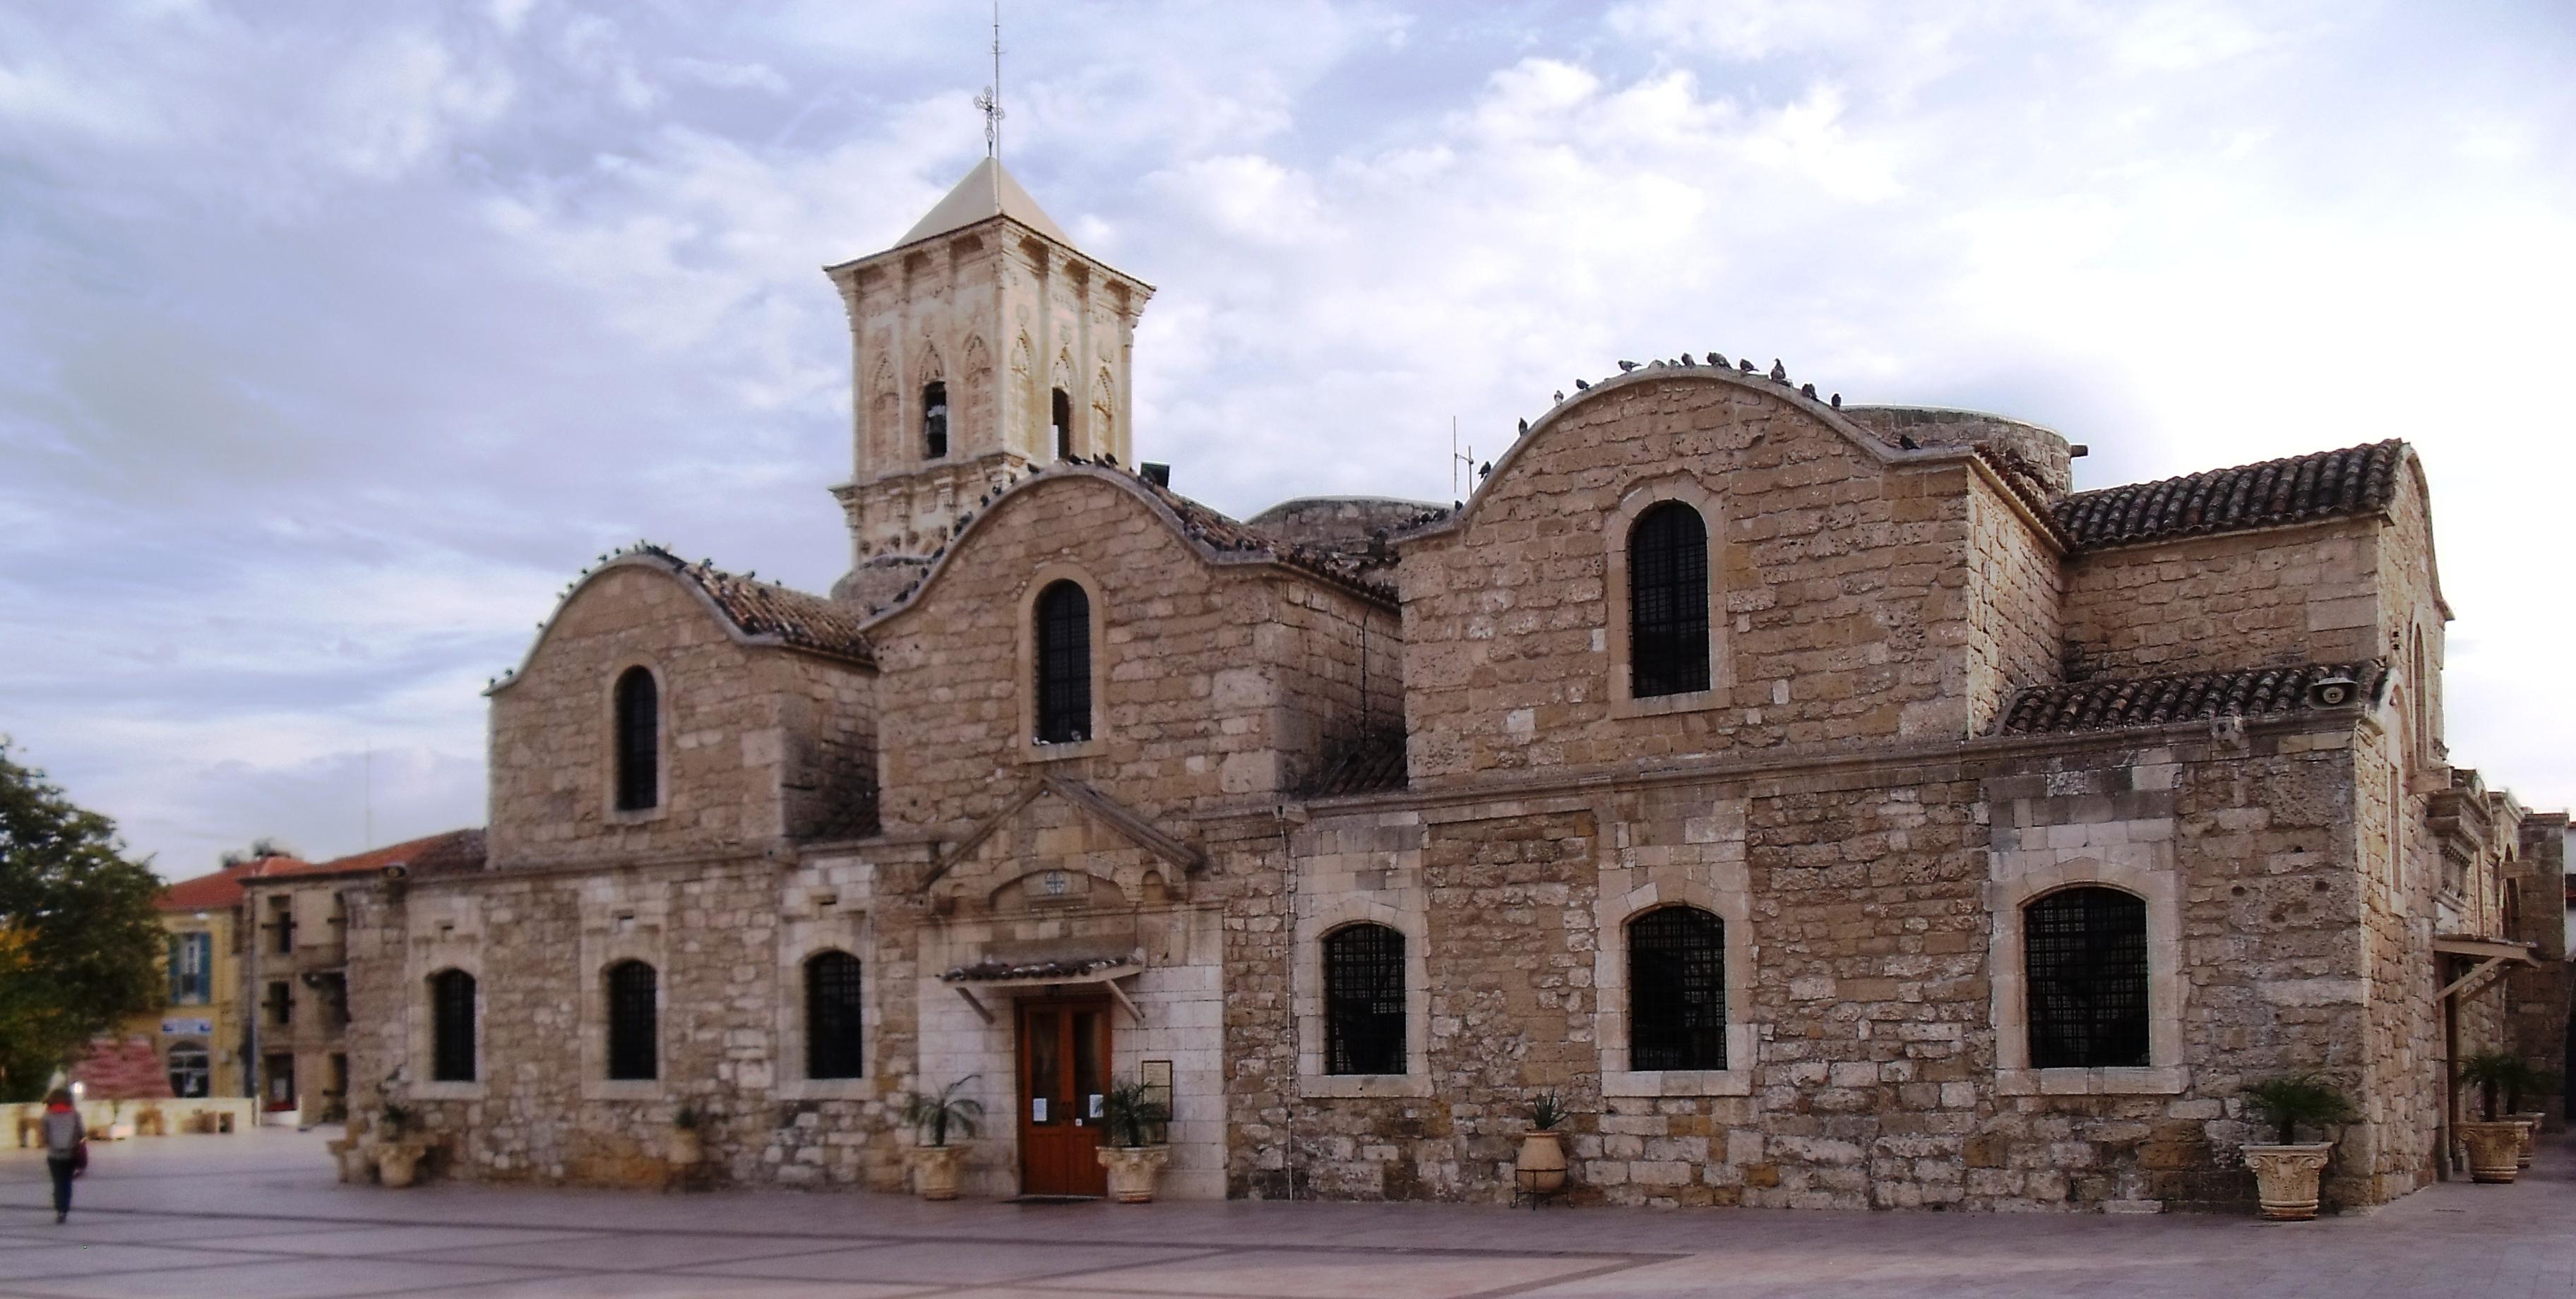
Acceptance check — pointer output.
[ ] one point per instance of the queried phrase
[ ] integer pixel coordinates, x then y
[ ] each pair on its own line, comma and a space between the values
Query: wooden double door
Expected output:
1064, 1077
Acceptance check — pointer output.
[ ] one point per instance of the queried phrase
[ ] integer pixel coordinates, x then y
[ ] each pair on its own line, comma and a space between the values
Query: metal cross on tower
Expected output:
991, 100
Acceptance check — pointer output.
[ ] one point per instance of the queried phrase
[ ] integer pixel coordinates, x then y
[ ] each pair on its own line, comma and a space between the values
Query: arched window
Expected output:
639, 741
1064, 664
934, 420
191, 1069
1060, 420
832, 1048
451, 1026
1676, 990
634, 1021
1364, 1000
2084, 953
1668, 602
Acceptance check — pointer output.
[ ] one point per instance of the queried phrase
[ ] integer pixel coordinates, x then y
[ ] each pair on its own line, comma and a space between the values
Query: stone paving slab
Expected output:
262, 1216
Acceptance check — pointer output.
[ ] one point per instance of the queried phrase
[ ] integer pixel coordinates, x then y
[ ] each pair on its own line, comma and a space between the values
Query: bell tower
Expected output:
981, 343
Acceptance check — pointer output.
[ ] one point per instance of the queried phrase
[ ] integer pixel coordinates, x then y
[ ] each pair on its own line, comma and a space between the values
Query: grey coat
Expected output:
62, 1133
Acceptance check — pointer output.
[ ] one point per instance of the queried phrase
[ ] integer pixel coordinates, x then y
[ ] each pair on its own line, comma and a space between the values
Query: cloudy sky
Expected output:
334, 338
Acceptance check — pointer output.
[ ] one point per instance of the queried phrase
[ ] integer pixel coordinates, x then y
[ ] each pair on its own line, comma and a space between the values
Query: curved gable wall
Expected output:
1842, 586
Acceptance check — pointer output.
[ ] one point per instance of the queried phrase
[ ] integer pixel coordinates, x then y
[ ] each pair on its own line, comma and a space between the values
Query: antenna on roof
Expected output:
1462, 467
991, 100
369, 776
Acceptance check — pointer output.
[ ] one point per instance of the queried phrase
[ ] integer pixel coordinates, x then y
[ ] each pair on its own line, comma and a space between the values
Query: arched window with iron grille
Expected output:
1064, 663
634, 1021
1364, 1000
2084, 959
1677, 990
1668, 602
451, 1026
934, 420
639, 741
832, 1044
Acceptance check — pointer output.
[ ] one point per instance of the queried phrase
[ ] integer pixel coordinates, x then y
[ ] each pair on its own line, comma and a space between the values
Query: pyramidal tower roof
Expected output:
987, 192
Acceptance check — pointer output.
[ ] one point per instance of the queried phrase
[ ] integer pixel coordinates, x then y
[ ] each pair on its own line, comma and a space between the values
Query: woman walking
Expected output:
63, 1142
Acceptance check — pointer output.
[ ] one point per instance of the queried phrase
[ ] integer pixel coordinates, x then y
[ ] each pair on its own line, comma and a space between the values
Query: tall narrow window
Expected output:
1060, 416
934, 420
1064, 664
1676, 990
2084, 952
192, 959
832, 1047
639, 741
634, 1022
1364, 1000
1668, 602
451, 1010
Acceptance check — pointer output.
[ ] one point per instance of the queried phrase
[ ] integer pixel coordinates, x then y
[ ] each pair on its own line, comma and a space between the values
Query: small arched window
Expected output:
1668, 602
451, 1010
1676, 990
832, 1047
934, 420
1060, 421
1364, 1000
634, 1021
1064, 663
639, 741
2084, 954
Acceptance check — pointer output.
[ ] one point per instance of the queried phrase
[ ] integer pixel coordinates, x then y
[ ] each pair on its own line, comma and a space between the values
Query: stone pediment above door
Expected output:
1059, 843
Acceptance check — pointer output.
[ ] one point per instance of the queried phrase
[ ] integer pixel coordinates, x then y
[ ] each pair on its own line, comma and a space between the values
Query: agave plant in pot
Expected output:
1130, 1114
2494, 1142
1540, 1168
687, 1142
933, 1116
2286, 1172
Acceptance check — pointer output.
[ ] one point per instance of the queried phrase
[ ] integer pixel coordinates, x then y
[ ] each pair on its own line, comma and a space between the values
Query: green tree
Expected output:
264, 846
80, 942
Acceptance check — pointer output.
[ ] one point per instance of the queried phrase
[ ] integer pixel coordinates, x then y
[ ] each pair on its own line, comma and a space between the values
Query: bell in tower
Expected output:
981, 343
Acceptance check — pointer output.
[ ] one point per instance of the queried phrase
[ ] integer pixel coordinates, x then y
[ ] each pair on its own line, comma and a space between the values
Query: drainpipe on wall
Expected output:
1288, 1087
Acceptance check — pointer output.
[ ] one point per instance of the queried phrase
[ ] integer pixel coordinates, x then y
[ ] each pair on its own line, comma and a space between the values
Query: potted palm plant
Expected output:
1131, 1114
688, 1141
1540, 1169
2287, 1171
2495, 1144
397, 1155
932, 1116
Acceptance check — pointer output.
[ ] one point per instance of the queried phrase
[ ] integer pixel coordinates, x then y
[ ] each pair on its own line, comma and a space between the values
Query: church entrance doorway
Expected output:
1064, 1077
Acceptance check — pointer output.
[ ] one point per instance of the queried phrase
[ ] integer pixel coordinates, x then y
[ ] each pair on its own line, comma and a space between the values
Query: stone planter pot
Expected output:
2493, 1150
1133, 1171
934, 1170
398, 1163
685, 1147
1541, 1165
2530, 1121
357, 1160
2285, 1178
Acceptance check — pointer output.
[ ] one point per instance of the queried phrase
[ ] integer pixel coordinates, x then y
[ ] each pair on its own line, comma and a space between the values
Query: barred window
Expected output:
451, 1007
1668, 602
1364, 1000
639, 741
934, 420
633, 1021
1064, 664
1677, 990
1060, 412
832, 1048
2084, 951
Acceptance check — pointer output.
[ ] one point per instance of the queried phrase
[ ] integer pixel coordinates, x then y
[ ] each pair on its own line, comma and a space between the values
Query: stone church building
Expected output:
1829, 805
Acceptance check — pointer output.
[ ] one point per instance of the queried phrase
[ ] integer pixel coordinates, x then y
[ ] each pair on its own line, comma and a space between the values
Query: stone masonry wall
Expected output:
2015, 592
1340, 673
2300, 595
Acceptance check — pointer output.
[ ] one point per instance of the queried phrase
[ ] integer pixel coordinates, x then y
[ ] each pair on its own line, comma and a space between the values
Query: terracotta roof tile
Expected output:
803, 620
220, 891
2325, 484
2155, 701
453, 850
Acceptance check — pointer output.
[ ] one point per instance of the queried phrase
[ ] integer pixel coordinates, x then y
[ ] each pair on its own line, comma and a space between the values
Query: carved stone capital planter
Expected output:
934, 1170
1133, 1171
2285, 1178
686, 1147
1541, 1164
2494, 1150
2530, 1121
398, 1162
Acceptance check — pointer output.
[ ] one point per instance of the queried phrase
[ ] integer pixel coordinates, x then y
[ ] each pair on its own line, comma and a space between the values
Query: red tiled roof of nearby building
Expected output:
2325, 484
220, 891
452, 850
2155, 701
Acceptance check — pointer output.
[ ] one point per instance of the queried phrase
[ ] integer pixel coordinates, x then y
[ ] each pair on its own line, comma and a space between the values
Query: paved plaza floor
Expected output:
259, 1216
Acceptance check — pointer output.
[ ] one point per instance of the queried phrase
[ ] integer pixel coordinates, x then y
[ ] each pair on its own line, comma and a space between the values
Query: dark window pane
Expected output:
1364, 1000
1064, 664
832, 1046
633, 1021
451, 997
934, 420
1060, 415
1677, 990
2084, 953
1668, 602
639, 741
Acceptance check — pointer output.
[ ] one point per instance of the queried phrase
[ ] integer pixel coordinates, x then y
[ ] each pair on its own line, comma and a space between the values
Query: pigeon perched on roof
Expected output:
1779, 372
1581, 386
1686, 359
1486, 470
1717, 359
1838, 401
1907, 441
1524, 426
1560, 396
1747, 363
1626, 366
1807, 390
